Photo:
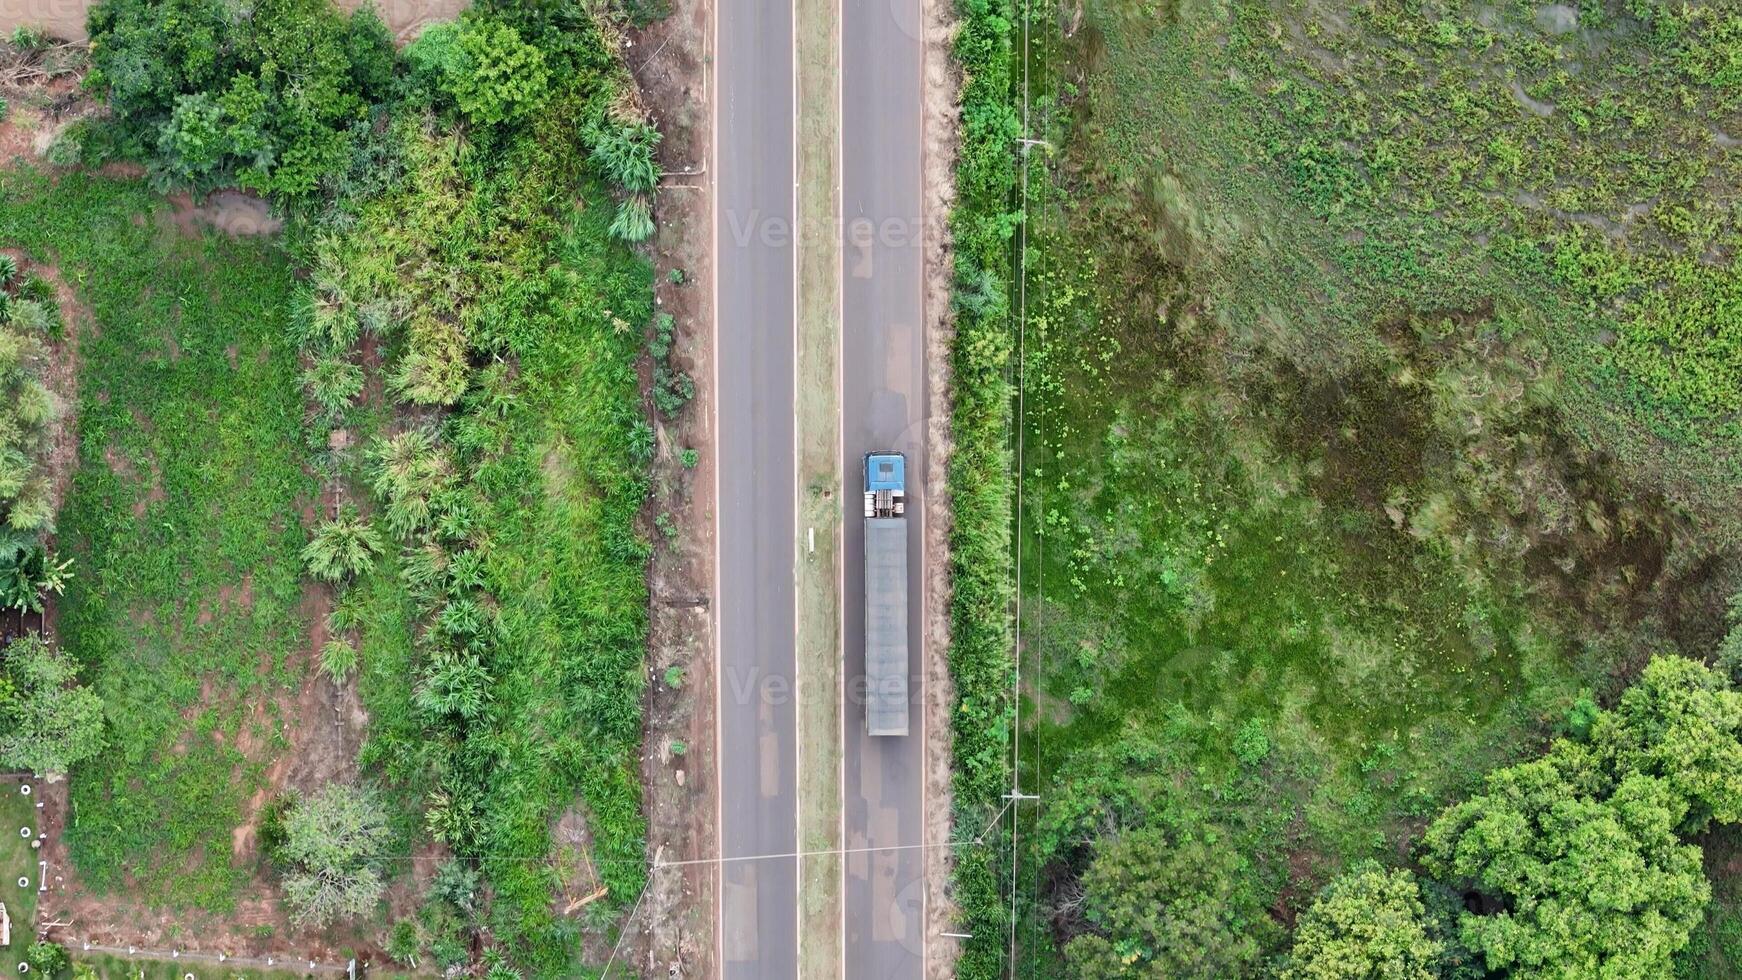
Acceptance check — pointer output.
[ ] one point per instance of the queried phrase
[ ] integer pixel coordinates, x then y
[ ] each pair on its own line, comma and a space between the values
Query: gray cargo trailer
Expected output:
885, 594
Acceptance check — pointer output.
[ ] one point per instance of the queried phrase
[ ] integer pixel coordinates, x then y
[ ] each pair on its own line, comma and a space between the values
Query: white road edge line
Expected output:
926, 503
714, 410
839, 233
797, 501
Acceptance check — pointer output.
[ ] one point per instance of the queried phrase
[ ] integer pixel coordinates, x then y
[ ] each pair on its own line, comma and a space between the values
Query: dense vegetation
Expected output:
48, 722
1375, 437
456, 369
980, 478
28, 315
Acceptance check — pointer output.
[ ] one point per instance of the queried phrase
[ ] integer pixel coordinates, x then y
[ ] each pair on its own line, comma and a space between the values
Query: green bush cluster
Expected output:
1579, 863
48, 722
980, 480
332, 847
270, 96
27, 408
483, 67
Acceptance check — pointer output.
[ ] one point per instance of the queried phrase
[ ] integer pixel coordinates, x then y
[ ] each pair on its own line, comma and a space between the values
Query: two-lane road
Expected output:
883, 406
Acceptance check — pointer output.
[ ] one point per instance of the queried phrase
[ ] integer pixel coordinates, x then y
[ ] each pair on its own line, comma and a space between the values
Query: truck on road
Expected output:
885, 593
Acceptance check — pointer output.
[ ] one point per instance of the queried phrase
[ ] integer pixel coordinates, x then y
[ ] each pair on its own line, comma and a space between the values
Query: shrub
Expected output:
334, 842
47, 958
404, 943
1168, 906
338, 659
28, 37
333, 383
493, 76
50, 723
625, 155
272, 834
342, 548
634, 221
1368, 923
27, 574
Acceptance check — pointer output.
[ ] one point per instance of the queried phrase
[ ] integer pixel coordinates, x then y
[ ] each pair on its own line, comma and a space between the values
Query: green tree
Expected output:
264, 93
333, 843
50, 723
342, 548
1682, 723
1166, 905
1369, 924
494, 76
1581, 872
48, 958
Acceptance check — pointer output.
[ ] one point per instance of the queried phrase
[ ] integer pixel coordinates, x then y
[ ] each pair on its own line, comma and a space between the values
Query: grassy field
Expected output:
119, 968
1377, 409
1555, 181
17, 860
183, 522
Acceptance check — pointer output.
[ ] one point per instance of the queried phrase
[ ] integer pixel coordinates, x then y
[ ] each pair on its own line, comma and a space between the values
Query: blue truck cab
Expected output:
886, 471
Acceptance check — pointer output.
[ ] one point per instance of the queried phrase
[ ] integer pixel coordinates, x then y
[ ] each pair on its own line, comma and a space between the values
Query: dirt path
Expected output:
675, 931
941, 92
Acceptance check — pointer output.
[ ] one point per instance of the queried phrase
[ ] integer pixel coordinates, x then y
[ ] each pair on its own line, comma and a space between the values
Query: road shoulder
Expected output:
671, 59
941, 92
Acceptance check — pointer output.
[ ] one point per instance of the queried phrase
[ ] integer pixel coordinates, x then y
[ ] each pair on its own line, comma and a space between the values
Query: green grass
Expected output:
121, 968
17, 859
1321, 169
189, 484
568, 566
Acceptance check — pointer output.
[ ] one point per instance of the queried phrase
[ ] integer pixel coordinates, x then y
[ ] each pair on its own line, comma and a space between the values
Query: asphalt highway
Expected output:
883, 406
754, 308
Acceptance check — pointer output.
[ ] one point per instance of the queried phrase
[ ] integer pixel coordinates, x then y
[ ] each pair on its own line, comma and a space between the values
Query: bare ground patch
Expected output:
674, 932
233, 212
941, 90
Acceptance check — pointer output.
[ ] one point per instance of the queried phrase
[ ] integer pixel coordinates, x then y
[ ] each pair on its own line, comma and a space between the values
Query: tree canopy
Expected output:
1369, 924
47, 722
1579, 854
1168, 905
333, 843
266, 96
